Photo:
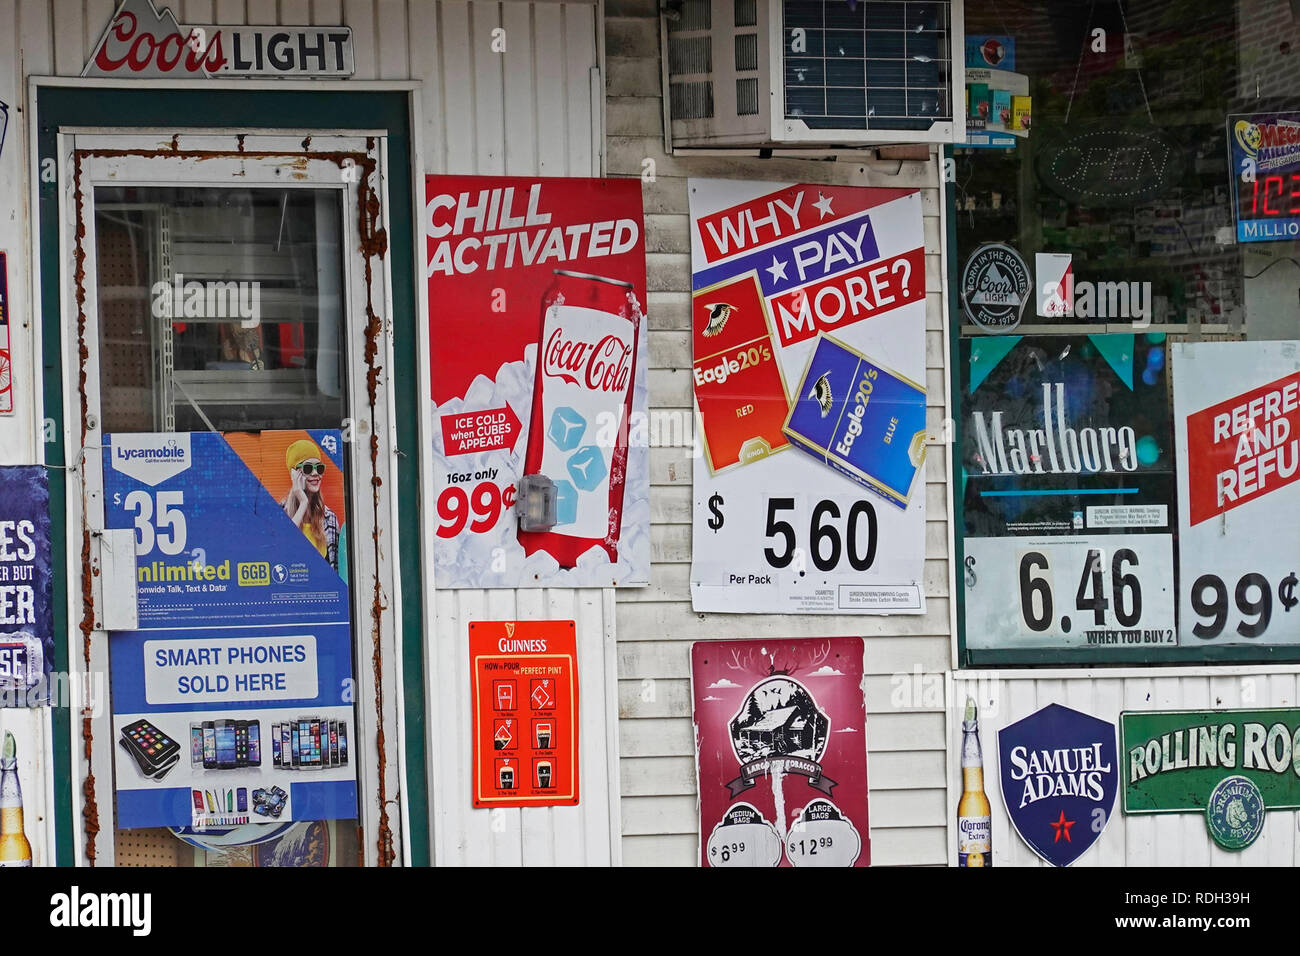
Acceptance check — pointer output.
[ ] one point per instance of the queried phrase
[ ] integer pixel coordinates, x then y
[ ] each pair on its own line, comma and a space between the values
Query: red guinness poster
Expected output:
538, 337
525, 687
781, 752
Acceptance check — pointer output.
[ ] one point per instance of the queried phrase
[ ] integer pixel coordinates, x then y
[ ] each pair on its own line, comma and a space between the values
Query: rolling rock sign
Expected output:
142, 43
1231, 765
782, 762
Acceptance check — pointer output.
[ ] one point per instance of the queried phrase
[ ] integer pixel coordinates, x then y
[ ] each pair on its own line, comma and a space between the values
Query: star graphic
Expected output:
823, 205
1062, 828
777, 269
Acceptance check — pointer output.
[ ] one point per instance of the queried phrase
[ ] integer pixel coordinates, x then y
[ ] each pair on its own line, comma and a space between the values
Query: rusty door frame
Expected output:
381, 846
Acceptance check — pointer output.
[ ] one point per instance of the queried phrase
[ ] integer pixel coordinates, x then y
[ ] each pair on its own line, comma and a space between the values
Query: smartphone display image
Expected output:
343, 742
209, 745
304, 744
293, 737
196, 745
242, 800
198, 801
316, 739
286, 746
275, 745
254, 743
226, 745
153, 751
334, 743
241, 743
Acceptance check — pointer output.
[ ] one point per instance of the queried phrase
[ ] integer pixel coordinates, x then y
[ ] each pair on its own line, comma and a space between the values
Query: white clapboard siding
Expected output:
523, 111
907, 768
1163, 840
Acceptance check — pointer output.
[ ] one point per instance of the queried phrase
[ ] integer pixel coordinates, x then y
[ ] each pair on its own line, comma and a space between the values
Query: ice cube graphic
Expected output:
566, 503
567, 428
587, 467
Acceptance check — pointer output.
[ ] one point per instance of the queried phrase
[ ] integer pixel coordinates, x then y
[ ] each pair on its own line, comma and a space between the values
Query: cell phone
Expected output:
196, 745
293, 736
275, 745
241, 796
316, 750
334, 743
343, 743
209, 745
212, 802
225, 730
254, 743
286, 746
198, 801
304, 744
153, 751
241, 743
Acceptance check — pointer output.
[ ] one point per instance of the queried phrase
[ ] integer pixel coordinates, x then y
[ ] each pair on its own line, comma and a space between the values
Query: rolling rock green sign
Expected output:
1228, 764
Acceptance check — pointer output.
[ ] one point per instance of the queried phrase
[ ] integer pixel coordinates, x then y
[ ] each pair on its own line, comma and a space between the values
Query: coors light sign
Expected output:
582, 401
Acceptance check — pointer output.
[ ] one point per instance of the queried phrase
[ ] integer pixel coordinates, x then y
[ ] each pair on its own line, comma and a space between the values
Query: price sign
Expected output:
823, 837
743, 838
240, 525
809, 371
803, 553
1238, 409
1101, 590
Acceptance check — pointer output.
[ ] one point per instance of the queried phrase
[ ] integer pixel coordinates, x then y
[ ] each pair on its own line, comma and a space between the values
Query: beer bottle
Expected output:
14, 848
974, 829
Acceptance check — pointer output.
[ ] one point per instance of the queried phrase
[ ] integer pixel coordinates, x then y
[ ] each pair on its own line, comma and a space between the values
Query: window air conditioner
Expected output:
813, 73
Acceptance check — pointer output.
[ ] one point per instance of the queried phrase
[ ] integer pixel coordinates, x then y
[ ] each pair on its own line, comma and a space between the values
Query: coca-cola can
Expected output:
582, 403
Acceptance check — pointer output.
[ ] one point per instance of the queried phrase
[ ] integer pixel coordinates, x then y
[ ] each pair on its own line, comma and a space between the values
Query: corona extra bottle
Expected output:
14, 848
974, 829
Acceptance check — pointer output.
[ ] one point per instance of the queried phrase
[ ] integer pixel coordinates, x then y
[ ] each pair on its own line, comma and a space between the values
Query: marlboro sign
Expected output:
142, 42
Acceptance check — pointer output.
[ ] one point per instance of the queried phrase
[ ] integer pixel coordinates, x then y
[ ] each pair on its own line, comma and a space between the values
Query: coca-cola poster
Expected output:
1238, 433
1067, 489
539, 354
781, 752
809, 375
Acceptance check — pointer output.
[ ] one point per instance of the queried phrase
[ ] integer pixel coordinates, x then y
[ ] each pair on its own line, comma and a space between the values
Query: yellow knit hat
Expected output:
300, 451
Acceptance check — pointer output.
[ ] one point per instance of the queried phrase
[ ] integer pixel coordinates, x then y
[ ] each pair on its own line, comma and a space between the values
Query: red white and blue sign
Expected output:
1059, 774
785, 276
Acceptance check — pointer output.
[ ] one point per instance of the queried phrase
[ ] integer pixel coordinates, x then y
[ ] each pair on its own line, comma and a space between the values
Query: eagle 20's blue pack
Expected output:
862, 419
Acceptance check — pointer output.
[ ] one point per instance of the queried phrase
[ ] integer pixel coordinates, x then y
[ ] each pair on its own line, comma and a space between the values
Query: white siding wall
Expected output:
525, 111
1178, 839
656, 625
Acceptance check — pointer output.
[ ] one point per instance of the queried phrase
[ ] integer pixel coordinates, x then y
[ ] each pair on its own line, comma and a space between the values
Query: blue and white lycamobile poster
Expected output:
219, 725
1059, 777
26, 603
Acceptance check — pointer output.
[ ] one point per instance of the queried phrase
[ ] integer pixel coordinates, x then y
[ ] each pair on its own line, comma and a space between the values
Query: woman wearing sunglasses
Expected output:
305, 505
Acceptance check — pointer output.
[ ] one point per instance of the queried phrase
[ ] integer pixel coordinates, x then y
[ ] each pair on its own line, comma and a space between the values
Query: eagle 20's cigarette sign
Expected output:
538, 335
808, 331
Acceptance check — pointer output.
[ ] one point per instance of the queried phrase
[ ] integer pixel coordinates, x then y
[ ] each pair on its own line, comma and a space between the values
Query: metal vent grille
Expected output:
747, 97
691, 100
883, 65
746, 52
746, 13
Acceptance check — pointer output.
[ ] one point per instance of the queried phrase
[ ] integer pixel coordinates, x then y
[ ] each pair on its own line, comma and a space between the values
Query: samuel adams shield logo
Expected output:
1059, 779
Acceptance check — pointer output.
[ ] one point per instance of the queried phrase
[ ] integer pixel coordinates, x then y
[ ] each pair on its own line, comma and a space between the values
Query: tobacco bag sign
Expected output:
1059, 778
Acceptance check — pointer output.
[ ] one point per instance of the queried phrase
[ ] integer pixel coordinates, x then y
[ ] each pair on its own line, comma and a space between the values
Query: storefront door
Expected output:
229, 432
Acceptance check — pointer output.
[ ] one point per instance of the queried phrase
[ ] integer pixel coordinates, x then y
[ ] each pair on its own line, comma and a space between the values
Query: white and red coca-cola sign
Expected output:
601, 367
142, 42
536, 314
